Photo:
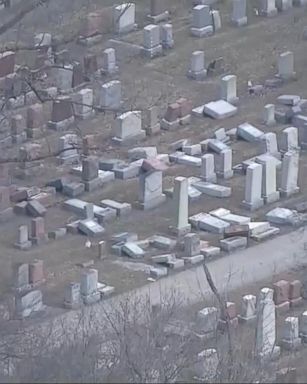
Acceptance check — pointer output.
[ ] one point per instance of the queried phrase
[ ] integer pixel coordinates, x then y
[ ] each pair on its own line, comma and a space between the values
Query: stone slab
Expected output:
220, 109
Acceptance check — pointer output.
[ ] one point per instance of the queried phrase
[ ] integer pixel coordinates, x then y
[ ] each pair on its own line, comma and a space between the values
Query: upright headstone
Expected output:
151, 45
68, 149
289, 140
286, 65
166, 35
267, 8
223, 164
151, 121
72, 296
253, 187
290, 334
150, 190
23, 238
269, 144
36, 272
289, 177
266, 326
128, 127
124, 18
90, 172
35, 121
269, 115
248, 309
191, 244
239, 17
82, 103
216, 19
284, 5
229, 89
62, 113
181, 207
110, 95
269, 191
21, 277
63, 77
158, 11
197, 70
89, 286
207, 168
109, 66
38, 234
207, 365
201, 21
28, 303
303, 327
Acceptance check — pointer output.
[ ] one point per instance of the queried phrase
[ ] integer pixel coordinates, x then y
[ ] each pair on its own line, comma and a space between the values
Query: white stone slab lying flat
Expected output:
90, 227
210, 251
249, 133
289, 99
189, 160
258, 227
280, 216
220, 109
133, 250
194, 220
213, 190
212, 224
198, 111
226, 215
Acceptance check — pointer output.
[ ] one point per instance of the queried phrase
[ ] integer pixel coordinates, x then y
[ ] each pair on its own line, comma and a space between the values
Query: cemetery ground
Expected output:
250, 52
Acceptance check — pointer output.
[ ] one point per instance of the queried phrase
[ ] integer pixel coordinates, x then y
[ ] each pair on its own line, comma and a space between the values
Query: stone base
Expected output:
290, 76
19, 139
23, 246
61, 125
91, 299
270, 13
153, 130
225, 175
211, 179
89, 41
180, 232
68, 159
106, 72
6, 214
69, 305
129, 140
152, 203
253, 206
247, 320
201, 75
289, 192
296, 302
86, 116
152, 52
291, 345
169, 125
275, 196
272, 355
240, 22
185, 120
92, 185
39, 240
158, 18
202, 32
282, 308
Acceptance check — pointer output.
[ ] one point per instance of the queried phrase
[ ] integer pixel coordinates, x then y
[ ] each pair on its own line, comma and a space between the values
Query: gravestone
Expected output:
62, 113
267, 8
290, 334
166, 35
18, 129
284, 5
207, 365
181, 207
35, 121
289, 140
110, 95
239, 17
63, 77
90, 172
82, 103
197, 69
128, 127
36, 272
21, 277
38, 235
151, 121
28, 304
266, 326
191, 244
289, 178
286, 66
253, 187
216, 19
248, 309
89, 286
150, 190
72, 296
223, 164
23, 238
229, 89
269, 191
6, 211
109, 66
151, 41
201, 21
124, 18
269, 115
68, 149
269, 144
158, 11
207, 168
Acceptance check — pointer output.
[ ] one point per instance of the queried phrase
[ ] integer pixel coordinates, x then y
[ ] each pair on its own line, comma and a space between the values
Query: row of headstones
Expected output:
262, 313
